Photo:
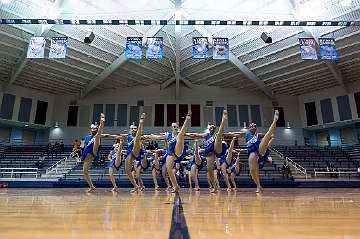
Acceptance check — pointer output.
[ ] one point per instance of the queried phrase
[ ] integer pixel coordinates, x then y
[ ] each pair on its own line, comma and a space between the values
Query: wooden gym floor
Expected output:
277, 213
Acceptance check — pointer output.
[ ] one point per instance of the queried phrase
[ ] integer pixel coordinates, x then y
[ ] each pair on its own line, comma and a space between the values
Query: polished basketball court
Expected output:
277, 213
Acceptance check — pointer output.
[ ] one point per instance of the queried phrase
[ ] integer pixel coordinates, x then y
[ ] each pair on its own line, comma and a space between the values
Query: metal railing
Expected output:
15, 171
292, 163
55, 166
339, 172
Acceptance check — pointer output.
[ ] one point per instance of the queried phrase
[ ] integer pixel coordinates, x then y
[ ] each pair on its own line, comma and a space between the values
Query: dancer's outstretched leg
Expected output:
87, 164
254, 170
232, 179
112, 178
269, 135
219, 136
181, 136
98, 134
170, 160
229, 158
89, 158
129, 161
137, 140
210, 160
165, 176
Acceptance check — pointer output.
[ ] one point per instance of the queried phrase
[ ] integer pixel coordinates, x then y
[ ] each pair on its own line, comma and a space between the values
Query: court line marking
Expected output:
179, 228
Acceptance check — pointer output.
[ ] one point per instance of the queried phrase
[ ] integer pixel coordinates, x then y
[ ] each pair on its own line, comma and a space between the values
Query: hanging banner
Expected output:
148, 22
308, 49
58, 47
220, 48
200, 48
155, 48
36, 47
133, 48
327, 49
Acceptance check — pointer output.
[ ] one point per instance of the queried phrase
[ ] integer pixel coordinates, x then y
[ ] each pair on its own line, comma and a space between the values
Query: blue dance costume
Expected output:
224, 161
193, 162
253, 143
210, 145
171, 148
90, 141
140, 158
233, 170
264, 159
159, 170
113, 159
130, 147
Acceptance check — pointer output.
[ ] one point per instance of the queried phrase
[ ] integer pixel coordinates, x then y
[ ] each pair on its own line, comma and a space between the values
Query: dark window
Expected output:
183, 110
244, 114
232, 116
344, 107
159, 115
326, 111
25, 109
134, 115
7, 106
109, 115
195, 119
281, 121
72, 115
311, 117
122, 115
255, 115
171, 114
357, 102
41, 110
218, 115
98, 109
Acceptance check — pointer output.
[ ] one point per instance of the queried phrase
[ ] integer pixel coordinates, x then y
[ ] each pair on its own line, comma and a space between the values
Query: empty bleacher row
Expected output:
27, 156
353, 151
30, 156
100, 174
320, 159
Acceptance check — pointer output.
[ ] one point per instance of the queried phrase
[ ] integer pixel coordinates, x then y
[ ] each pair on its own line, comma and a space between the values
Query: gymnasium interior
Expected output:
63, 63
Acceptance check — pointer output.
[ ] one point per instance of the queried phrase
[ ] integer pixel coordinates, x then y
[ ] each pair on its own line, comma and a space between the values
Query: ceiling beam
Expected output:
240, 65
178, 16
285, 76
115, 64
313, 32
229, 68
187, 82
167, 83
256, 80
21, 63
173, 50
223, 79
206, 68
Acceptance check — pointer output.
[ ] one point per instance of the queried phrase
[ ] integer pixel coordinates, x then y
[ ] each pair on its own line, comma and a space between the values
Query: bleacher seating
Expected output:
353, 151
27, 156
320, 158
100, 173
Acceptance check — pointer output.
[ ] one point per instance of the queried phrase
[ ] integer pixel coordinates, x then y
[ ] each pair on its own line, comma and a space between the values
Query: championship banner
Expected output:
220, 48
58, 47
327, 49
200, 48
133, 48
308, 49
36, 47
155, 48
